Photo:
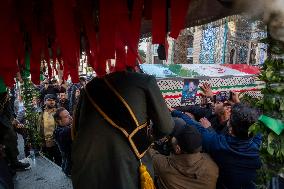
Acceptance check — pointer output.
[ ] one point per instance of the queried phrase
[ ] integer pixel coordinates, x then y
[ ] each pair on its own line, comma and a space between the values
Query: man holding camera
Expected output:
186, 166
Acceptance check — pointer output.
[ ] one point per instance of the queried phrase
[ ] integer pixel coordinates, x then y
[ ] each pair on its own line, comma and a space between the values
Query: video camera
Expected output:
163, 146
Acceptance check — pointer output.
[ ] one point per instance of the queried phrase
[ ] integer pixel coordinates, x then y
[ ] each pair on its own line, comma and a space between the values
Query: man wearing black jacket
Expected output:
8, 136
62, 135
51, 87
63, 101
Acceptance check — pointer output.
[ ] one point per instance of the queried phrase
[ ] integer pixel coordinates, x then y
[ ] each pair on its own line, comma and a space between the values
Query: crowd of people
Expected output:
210, 146
57, 103
197, 146
54, 107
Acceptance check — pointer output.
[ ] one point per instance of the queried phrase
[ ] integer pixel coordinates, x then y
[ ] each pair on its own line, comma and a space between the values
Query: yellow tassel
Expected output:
145, 178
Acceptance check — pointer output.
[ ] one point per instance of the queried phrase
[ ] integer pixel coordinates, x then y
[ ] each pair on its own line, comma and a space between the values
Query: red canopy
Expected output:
59, 30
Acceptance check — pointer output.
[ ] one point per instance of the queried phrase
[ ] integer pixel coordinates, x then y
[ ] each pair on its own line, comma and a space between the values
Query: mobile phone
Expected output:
223, 96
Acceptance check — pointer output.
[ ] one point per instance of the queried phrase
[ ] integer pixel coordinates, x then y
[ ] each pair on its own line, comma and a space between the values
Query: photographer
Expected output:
216, 117
186, 166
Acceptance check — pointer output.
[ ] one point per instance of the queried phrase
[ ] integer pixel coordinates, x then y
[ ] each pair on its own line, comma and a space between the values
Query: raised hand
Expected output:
235, 97
207, 91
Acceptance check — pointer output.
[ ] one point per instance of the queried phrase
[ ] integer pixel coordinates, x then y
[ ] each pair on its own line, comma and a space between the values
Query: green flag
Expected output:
3, 87
275, 125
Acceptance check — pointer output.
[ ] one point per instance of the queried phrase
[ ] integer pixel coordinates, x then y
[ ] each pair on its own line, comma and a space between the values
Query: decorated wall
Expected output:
243, 42
208, 41
180, 84
234, 40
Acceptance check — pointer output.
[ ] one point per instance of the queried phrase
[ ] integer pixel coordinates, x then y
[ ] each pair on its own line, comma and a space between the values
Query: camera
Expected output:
163, 146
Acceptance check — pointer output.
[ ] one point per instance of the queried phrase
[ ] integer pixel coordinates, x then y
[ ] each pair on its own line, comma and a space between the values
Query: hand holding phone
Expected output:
234, 97
222, 96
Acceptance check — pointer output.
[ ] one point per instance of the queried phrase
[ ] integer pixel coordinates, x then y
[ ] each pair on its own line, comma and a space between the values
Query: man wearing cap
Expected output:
186, 167
237, 153
51, 87
46, 128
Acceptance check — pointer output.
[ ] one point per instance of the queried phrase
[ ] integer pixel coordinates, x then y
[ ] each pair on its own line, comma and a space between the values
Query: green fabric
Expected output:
3, 87
182, 72
171, 91
26, 71
215, 88
275, 125
234, 86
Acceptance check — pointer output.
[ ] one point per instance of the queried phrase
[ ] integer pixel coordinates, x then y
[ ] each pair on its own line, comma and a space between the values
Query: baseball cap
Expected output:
178, 125
188, 137
50, 96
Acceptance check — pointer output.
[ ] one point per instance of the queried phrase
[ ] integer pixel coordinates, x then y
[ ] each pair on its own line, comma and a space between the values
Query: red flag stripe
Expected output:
159, 21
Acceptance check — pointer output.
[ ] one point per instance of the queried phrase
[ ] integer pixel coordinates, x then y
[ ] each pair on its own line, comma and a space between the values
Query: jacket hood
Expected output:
248, 148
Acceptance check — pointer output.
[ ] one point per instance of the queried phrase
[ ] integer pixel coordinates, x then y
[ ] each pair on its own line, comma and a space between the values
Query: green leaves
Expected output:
272, 104
269, 75
29, 92
276, 47
282, 145
270, 139
272, 71
273, 74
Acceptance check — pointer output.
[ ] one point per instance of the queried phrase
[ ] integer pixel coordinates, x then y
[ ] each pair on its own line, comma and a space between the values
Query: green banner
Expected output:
275, 125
